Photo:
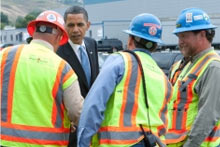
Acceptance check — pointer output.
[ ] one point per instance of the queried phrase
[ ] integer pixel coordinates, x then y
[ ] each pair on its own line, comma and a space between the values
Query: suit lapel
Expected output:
89, 50
75, 64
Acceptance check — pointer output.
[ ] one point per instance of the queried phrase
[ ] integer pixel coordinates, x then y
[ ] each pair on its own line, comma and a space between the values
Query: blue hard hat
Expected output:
146, 26
192, 19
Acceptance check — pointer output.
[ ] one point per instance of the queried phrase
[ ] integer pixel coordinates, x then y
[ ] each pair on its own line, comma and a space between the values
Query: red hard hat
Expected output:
49, 17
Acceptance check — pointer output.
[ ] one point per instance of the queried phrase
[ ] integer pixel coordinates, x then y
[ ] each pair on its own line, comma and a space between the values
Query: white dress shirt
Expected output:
75, 48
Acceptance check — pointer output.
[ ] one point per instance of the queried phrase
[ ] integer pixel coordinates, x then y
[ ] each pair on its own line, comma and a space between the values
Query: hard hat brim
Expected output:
200, 27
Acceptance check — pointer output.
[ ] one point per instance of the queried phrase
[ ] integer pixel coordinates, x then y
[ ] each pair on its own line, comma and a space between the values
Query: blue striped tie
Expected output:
85, 63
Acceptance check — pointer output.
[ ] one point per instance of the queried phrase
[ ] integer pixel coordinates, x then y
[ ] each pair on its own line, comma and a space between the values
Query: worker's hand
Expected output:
72, 127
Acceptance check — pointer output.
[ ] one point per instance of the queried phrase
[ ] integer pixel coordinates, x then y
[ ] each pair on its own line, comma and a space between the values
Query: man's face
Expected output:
188, 43
76, 27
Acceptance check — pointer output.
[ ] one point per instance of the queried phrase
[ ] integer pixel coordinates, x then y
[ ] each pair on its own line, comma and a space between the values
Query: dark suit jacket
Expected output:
66, 52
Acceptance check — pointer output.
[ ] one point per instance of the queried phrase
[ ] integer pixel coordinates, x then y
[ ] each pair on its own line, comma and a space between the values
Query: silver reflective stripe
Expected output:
164, 110
59, 96
35, 135
120, 135
5, 82
175, 135
131, 93
123, 136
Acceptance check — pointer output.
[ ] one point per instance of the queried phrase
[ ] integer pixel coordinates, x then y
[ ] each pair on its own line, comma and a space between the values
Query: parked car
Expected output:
4, 45
109, 45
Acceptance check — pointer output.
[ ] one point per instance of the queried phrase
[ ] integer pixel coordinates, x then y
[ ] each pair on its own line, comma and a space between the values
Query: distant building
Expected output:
110, 17
14, 36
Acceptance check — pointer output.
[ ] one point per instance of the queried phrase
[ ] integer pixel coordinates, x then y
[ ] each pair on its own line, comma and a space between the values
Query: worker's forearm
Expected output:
73, 102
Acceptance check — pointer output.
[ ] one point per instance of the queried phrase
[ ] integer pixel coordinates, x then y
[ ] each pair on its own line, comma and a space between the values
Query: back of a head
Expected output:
51, 18
146, 29
192, 19
76, 10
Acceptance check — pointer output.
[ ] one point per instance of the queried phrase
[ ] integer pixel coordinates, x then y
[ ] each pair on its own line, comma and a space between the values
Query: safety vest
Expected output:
183, 107
174, 73
32, 111
126, 108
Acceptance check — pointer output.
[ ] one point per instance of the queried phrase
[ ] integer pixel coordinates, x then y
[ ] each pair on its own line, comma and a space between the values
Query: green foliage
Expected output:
4, 20
2, 25
20, 22
23, 22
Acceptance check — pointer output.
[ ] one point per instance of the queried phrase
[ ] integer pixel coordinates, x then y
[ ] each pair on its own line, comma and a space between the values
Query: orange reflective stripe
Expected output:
175, 136
126, 89
34, 141
58, 78
55, 90
11, 82
174, 119
122, 129
120, 142
70, 73
135, 107
62, 113
215, 136
189, 99
116, 135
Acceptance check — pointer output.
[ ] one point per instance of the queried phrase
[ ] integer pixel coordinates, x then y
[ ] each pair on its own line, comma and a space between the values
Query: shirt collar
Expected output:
76, 46
143, 50
44, 43
194, 58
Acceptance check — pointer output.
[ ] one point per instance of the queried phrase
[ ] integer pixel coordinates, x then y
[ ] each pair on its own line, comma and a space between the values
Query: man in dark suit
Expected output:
76, 24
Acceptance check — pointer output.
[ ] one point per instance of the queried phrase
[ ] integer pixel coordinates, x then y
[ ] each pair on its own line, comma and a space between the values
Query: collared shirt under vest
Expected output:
183, 108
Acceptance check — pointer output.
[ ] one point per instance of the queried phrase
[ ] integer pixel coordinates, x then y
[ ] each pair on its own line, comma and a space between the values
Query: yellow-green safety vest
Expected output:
33, 79
126, 108
183, 107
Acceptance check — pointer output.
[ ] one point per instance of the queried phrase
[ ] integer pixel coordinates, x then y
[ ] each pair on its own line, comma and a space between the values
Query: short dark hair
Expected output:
210, 34
76, 10
142, 43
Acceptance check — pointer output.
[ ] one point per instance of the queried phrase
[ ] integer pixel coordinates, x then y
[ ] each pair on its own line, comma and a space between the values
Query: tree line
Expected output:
21, 22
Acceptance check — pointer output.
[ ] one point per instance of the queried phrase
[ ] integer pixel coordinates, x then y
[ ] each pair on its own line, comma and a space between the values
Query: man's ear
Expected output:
130, 44
88, 24
203, 33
